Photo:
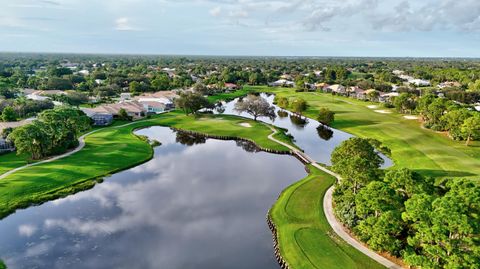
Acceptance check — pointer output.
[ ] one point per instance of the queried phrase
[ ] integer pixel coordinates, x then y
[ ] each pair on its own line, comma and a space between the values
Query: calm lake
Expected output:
199, 203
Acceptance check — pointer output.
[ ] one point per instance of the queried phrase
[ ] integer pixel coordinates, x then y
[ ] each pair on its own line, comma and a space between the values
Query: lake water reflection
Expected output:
200, 206
317, 140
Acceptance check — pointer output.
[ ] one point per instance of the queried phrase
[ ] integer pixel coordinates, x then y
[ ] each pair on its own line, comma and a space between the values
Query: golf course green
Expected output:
305, 238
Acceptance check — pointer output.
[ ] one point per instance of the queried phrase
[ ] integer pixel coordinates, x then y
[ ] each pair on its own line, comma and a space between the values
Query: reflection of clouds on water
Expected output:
27, 230
190, 207
38, 249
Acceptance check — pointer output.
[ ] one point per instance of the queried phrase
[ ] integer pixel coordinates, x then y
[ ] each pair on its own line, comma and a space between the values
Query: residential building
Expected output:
387, 97
102, 119
6, 146
98, 118
337, 88
134, 109
321, 86
449, 84
154, 107
231, 86
356, 92
282, 83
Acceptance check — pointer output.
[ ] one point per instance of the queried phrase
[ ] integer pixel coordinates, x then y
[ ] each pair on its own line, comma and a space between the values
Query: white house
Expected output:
420, 82
84, 72
337, 88
282, 83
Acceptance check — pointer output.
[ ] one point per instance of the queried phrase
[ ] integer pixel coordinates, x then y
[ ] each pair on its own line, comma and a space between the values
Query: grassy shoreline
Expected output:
111, 150
305, 238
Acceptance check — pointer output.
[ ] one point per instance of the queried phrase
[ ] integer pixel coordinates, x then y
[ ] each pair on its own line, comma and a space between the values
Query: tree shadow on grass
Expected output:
353, 123
443, 173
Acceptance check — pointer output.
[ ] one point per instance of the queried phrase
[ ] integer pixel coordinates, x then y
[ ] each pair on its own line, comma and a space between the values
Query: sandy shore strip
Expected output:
383, 111
246, 124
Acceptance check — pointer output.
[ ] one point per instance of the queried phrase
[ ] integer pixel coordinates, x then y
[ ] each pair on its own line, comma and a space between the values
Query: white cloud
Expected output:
124, 24
215, 12
27, 230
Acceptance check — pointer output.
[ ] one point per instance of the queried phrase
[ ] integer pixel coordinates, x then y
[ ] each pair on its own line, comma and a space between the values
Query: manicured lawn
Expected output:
10, 161
229, 96
305, 237
110, 150
412, 146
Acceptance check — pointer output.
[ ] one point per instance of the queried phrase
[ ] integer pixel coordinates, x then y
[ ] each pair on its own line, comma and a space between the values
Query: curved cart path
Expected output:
81, 145
328, 209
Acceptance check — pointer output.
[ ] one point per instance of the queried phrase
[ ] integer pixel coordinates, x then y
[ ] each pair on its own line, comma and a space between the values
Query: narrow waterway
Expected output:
318, 141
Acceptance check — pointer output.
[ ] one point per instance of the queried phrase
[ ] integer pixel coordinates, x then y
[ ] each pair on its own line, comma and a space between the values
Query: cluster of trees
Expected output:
297, 105
428, 224
441, 114
191, 102
54, 132
20, 108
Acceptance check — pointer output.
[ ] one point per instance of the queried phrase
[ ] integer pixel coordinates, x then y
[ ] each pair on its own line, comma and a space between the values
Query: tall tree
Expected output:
9, 114
357, 162
299, 105
471, 128
190, 103
255, 106
326, 116
31, 139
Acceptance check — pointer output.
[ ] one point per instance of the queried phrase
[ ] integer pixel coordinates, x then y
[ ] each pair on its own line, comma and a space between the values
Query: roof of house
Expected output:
230, 85
48, 92
153, 104
14, 124
336, 87
158, 100
160, 94
114, 109
390, 94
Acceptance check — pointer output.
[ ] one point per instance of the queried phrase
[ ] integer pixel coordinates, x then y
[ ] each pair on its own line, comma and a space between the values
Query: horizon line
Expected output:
238, 55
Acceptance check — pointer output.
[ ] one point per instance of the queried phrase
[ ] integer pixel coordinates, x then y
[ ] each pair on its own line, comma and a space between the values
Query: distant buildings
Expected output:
337, 88
282, 83
231, 86
135, 107
411, 80
449, 84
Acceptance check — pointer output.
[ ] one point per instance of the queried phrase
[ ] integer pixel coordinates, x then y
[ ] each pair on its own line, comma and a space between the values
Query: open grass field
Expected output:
412, 146
305, 237
11, 160
229, 96
110, 150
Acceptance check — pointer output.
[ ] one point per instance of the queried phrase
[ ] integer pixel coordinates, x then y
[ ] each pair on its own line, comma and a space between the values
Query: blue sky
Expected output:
428, 28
